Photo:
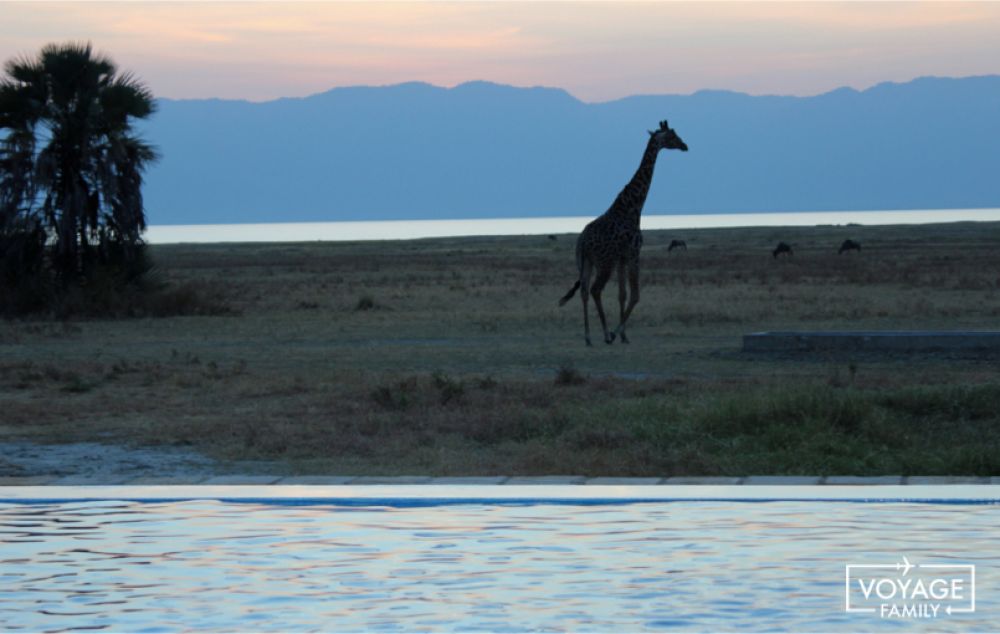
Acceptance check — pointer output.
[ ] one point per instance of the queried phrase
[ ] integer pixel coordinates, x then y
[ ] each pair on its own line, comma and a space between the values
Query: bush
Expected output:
568, 375
395, 397
365, 303
450, 389
26, 283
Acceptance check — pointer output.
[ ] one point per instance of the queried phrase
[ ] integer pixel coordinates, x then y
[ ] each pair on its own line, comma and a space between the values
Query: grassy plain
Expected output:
451, 357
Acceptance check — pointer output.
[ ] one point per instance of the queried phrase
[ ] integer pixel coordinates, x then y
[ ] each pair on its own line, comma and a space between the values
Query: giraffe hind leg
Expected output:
602, 278
585, 270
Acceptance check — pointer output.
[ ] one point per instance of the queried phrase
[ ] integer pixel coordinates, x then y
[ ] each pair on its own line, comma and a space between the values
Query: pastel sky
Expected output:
596, 50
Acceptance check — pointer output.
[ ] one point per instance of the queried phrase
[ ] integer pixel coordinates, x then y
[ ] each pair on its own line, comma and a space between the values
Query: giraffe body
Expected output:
612, 241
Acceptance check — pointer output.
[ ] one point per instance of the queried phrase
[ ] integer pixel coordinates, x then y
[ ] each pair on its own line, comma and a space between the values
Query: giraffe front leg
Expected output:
621, 304
633, 299
609, 335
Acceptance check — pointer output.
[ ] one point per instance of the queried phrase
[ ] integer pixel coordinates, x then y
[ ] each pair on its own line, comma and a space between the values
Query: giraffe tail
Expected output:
567, 296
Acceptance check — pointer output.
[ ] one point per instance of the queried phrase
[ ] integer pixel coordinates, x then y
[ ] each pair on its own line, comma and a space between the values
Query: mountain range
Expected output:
482, 150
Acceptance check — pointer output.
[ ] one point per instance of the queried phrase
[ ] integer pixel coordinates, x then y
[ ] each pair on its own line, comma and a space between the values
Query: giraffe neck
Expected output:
633, 196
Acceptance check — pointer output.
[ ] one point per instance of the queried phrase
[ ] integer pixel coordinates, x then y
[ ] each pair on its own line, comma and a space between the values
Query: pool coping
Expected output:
498, 480
430, 494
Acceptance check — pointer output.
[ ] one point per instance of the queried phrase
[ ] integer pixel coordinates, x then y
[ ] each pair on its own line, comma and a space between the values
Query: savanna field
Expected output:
452, 357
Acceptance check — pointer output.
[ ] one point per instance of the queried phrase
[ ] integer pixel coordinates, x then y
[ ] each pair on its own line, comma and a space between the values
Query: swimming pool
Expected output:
238, 559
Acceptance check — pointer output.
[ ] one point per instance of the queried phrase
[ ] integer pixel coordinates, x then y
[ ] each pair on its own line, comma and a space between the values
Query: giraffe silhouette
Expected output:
613, 240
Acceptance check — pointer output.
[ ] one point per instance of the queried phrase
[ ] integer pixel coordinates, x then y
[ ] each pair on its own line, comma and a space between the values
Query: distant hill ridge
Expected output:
481, 149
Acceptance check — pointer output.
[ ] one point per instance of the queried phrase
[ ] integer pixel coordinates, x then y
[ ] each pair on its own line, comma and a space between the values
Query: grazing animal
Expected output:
849, 245
782, 248
677, 244
613, 240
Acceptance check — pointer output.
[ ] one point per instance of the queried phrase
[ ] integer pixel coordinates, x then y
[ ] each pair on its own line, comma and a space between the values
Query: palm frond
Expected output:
123, 99
24, 69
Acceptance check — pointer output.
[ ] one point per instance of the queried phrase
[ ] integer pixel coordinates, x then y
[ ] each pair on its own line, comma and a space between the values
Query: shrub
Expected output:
394, 397
26, 284
568, 375
366, 302
449, 388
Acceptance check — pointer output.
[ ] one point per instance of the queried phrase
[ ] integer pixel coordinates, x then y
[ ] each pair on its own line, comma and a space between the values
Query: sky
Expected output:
598, 51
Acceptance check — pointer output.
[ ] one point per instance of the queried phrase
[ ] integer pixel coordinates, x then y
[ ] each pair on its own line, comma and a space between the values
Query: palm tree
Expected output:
71, 165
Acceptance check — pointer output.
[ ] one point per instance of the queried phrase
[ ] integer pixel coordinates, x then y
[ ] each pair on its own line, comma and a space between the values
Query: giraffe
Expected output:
613, 240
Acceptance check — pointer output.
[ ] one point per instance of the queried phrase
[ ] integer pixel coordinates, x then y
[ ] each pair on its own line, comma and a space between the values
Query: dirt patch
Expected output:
97, 460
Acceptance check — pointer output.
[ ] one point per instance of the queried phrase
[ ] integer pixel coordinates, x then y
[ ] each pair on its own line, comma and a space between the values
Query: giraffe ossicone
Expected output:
612, 241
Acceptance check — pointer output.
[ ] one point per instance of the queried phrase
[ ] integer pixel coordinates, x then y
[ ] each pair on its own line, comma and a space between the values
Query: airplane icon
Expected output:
905, 565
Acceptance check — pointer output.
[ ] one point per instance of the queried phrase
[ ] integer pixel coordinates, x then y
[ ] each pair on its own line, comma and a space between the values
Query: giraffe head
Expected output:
666, 138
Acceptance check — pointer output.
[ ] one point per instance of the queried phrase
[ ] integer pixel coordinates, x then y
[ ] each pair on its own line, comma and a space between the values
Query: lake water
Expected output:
410, 229
717, 565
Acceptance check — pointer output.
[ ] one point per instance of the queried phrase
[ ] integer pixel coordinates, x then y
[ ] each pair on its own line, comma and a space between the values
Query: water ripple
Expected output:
205, 565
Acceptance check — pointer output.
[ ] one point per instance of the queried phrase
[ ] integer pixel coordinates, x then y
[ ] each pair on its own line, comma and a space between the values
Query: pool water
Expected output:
689, 565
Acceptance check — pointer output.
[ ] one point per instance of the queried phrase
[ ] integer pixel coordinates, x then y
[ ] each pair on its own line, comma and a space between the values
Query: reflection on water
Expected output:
408, 229
205, 565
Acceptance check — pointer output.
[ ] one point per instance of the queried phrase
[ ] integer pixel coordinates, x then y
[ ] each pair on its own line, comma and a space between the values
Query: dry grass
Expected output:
451, 356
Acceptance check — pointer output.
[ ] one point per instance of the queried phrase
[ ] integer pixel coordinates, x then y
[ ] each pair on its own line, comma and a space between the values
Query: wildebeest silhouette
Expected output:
781, 248
677, 244
849, 245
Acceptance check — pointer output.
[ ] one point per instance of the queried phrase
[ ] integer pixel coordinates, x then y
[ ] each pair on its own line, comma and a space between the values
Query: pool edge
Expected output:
475, 493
